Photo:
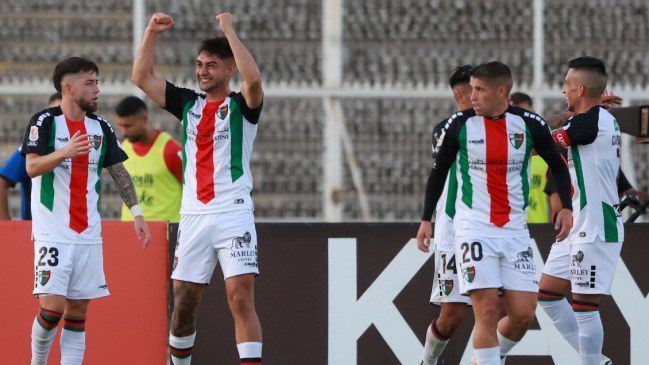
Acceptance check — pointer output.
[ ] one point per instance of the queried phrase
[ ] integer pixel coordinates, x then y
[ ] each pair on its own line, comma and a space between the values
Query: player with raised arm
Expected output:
66, 148
491, 145
585, 262
446, 291
216, 214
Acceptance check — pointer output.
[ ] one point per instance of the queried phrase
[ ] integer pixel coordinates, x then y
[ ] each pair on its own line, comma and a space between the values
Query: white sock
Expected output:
250, 351
73, 340
42, 338
73, 345
591, 337
433, 347
505, 346
490, 356
560, 311
181, 349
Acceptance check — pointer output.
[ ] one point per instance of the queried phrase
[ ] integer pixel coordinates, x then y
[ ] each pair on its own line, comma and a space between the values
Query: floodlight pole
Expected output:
332, 70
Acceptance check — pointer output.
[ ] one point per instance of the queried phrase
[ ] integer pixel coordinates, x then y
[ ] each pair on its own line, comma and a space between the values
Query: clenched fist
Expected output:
160, 22
225, 20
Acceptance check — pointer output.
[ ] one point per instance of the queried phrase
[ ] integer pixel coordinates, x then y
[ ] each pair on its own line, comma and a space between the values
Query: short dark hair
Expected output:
55, 96
72, 65
218, 46
493, 71
519, 98
461, 75
130, 105
596, 70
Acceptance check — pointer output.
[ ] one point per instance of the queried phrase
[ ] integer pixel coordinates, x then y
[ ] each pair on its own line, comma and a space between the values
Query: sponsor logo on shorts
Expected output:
105, 286
251, 264
583, 284
448, 287
577, 258
238, 201
469, 273
527, 255
239, 242
44, 276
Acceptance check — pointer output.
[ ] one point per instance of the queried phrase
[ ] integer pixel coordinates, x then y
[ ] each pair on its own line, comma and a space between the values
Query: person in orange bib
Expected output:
154, 162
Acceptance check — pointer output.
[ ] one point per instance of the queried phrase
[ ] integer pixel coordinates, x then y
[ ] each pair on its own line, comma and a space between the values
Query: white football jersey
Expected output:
217, 143
594, 143
65, 201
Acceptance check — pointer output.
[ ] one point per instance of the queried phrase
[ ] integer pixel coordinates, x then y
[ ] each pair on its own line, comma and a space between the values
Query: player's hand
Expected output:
424, 235
160, 22
563, 223
225, 20
141, 227
79, 145
609, 99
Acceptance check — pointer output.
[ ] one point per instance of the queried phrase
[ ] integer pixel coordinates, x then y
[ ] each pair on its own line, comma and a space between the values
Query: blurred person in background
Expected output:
538, 211
14, 172
154, 162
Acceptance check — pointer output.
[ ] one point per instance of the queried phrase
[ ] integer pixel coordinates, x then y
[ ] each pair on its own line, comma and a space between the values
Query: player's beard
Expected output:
86, 105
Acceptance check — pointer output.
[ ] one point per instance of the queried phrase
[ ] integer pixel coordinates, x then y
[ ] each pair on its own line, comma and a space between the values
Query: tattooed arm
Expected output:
126, 189
559, 120
124, 184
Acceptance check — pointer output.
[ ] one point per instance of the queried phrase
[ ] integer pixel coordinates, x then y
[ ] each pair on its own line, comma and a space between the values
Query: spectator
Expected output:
154, 162
14, 172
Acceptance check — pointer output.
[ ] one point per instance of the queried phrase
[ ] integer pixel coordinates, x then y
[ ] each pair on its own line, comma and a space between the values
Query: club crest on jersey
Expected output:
222, 112
448, 286
516, 139
469, 273
44, 276
96, 140
33, 133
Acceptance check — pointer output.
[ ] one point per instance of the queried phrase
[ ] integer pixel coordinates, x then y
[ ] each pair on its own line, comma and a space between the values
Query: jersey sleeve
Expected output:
546, 147
38, 133
114, 151
447, 147
173, 159
581, 129
251, 115
14, 170
176, 98
437, 132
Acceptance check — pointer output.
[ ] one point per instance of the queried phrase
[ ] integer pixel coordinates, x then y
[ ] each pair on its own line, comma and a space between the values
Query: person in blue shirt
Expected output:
14, 172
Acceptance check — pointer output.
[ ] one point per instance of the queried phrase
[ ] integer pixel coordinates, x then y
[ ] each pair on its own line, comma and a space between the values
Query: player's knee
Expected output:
488, 313
240, 302
521, 318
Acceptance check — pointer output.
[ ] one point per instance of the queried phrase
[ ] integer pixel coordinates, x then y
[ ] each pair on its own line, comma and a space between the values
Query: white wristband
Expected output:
136, 210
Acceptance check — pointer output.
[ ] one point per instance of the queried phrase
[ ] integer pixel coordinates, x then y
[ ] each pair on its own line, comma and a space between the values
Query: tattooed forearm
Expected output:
124, 184
559, 120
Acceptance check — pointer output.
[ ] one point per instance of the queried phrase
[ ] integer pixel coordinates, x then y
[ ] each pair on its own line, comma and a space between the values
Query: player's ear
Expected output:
231, 68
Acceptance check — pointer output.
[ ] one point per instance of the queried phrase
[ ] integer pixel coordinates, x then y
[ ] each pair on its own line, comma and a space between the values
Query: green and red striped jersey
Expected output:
217, 145
65, 201
493, 170
594, 143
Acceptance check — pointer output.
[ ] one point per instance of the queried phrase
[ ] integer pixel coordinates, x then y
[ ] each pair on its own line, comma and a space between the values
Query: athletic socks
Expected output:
505, 346
489, 356
435, 343
556, 306
591, 332
181, 348
43, 332
250, 353
73, 340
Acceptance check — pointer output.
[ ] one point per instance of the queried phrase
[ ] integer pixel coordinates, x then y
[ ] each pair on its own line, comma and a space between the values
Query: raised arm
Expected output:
143, 75
251, 87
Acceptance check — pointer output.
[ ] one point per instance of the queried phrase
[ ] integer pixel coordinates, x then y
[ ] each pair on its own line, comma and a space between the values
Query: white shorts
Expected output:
590, 267
506, 263
446, 286
205, 239
75, 271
